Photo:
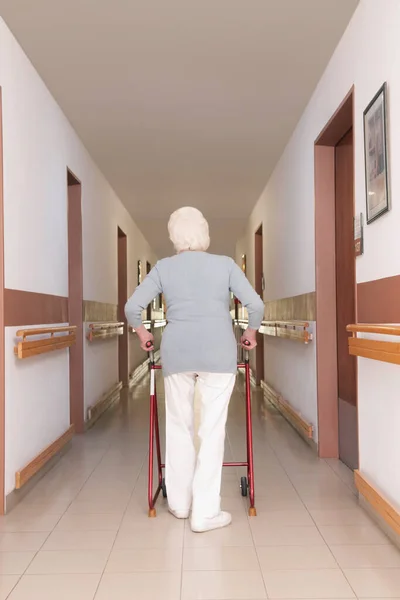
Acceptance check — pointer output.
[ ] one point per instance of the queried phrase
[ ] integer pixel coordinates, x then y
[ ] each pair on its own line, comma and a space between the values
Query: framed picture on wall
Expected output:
139, 272
244, 267
376, 156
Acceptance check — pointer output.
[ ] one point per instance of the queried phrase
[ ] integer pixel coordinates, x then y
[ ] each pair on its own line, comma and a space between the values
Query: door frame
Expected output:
2, 330
325, 275
122, 276
75, 300
260, 350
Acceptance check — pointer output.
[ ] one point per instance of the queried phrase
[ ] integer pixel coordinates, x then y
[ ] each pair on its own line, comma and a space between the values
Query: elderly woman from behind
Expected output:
198, 345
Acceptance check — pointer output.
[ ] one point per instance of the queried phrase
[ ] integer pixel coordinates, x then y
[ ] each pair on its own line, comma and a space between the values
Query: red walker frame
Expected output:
247, 485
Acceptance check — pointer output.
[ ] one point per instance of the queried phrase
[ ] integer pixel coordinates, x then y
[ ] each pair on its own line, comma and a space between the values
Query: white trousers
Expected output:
190, 483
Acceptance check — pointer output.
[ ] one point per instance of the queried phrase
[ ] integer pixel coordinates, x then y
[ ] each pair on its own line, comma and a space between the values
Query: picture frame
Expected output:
139, 272
376, 156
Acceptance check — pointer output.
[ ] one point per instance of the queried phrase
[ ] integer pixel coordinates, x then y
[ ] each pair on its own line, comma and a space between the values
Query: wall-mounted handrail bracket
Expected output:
291, 330
156, 324
102, 330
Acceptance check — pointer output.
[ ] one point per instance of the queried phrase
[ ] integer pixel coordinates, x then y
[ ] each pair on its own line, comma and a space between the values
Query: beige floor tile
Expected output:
281, 535
33, 506
351, 516
141, 523
295, 557
220, 559
321, 487
22, 542
89, 522
139, 586
27, 509
289, 518
16, 523
222, 585
80, 540
366, 557
7, 583
231, 488
234, 503
15, 563
96, 499
145, 559
353, 535
161, 537
307, 584
329, 501
236, 534
101, 507
375, 583
106, 495
56, 587
73, 562
273, 503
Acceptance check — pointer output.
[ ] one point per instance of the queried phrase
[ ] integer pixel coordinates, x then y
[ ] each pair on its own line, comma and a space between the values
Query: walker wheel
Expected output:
164, 488
244, 486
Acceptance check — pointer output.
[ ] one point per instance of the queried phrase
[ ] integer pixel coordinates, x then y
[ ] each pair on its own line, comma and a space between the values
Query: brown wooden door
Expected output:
259, 277
75, 302
345, 300
123, 340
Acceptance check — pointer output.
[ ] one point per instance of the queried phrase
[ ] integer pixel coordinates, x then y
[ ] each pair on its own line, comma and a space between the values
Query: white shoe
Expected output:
223, 519
179, 514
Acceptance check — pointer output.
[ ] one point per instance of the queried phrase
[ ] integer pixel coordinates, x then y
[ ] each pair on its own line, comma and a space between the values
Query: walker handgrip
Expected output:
149, 345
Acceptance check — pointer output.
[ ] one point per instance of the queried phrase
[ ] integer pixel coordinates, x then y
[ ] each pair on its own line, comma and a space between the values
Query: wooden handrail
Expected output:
382, 350
104, 330
160, 323
291, 330
148, 324
44, 330
109, 325
57, 341
380, 329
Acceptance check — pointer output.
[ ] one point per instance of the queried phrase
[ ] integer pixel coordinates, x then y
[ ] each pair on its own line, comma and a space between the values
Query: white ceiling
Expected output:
182, 102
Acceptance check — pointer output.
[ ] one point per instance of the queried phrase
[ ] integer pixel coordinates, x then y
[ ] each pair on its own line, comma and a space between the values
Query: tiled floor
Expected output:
83, 532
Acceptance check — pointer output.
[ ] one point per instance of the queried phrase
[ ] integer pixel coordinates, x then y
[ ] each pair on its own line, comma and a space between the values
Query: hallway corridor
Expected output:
83, 532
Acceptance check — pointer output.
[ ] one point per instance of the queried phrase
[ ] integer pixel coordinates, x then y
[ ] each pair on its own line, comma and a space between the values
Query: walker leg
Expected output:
249, 431
157, 434
152, 510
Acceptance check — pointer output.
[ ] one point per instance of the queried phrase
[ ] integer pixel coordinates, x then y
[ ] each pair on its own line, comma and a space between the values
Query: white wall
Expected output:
368, 55
379, 418
39, 144
37, 404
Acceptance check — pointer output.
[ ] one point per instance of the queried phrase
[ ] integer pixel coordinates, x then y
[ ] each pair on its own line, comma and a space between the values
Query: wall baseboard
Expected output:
95, 411
303, 428
34, 466
252, 376
16, 496
140, 371
380, 509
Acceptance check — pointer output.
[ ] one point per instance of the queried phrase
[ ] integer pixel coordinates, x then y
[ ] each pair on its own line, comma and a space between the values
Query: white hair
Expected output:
188, 230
